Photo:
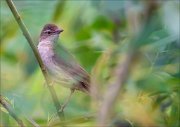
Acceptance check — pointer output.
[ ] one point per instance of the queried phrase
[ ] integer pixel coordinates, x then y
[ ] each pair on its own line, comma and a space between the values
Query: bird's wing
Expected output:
66, 61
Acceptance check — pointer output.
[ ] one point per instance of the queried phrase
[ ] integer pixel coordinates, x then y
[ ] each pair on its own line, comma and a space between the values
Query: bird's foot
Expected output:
62, 108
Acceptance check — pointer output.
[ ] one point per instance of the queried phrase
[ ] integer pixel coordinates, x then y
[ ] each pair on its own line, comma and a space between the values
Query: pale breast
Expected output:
46, 53
57, 74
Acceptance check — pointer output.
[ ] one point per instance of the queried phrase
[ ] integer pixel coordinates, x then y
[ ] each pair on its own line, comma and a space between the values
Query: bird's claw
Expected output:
62, 108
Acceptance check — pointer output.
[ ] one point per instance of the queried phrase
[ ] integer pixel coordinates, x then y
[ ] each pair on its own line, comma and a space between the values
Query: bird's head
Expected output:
50, 33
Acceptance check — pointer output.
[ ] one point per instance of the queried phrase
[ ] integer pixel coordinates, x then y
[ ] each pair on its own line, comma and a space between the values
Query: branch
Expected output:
73, 121
114, 89
34, 124
122, 71
11, 111
36, 53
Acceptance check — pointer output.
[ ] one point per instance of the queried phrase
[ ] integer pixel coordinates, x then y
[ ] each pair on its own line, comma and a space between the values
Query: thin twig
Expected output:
36, 53
33, 123
11, 111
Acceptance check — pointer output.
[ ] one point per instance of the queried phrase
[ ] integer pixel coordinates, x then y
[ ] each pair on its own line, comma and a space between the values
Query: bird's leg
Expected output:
67, 100
62, 106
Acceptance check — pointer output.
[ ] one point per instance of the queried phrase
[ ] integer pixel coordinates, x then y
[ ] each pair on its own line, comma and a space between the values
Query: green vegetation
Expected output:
132, 44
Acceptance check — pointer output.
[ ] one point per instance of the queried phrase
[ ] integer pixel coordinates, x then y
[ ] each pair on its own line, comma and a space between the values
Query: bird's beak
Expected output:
59, 31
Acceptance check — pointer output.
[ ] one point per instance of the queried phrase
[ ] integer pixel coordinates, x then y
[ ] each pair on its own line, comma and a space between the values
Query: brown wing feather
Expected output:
76, 71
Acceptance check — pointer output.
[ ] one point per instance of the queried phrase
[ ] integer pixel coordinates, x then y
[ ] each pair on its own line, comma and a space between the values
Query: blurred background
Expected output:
99, 34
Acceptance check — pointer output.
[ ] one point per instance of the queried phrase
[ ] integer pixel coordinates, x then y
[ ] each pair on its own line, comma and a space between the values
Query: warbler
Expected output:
61, 66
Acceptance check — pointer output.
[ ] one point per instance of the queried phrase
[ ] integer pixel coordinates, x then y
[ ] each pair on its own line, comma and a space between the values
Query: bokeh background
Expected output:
98, 34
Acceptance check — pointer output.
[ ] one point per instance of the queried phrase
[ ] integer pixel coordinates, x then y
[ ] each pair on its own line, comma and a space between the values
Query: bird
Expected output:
61, 66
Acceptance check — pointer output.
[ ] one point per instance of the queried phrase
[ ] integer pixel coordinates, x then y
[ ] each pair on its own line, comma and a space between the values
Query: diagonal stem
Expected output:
114, 88
36, 53
11, 111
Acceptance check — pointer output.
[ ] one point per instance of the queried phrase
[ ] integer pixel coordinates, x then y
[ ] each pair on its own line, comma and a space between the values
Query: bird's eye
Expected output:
47, 32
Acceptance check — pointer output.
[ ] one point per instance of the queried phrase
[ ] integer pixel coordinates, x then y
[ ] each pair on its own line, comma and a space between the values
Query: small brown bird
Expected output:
60, 64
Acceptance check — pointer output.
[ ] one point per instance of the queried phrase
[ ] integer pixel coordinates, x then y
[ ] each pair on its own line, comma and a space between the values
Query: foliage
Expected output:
99, 35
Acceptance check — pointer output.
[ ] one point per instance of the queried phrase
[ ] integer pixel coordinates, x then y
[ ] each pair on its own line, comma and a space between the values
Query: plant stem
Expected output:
123, 69
114, 88
11, 111
36, 53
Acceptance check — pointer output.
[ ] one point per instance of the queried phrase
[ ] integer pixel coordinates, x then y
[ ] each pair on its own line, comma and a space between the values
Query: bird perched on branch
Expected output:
61, 66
